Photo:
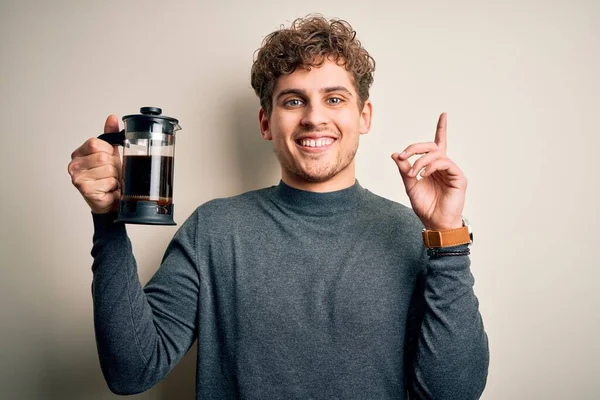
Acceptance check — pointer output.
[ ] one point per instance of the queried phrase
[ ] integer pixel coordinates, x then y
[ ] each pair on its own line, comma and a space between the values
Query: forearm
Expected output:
140, 336
122, 317
452, 357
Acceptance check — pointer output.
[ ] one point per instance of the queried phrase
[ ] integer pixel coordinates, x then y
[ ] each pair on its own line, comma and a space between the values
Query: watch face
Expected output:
468, 225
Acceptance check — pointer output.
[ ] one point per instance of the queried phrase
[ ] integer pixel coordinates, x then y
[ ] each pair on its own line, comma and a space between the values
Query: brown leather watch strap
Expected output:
453, 237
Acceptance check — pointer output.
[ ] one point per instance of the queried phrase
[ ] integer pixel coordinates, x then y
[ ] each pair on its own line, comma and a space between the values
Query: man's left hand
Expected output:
438, 197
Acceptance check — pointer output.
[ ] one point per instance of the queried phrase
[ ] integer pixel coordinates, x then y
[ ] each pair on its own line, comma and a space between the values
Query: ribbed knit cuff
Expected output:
106, 222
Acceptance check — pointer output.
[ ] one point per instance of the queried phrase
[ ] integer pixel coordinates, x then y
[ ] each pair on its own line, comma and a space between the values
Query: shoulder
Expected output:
393, 221
389, 210
237, 203
392, 227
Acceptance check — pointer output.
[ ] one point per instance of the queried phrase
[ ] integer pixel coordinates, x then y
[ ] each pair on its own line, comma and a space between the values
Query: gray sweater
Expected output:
292, 295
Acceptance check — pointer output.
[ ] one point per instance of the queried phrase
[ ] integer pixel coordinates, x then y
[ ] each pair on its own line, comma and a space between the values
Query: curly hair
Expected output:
307, 43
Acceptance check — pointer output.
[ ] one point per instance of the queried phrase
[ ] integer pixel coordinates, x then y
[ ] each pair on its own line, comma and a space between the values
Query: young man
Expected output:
311, 289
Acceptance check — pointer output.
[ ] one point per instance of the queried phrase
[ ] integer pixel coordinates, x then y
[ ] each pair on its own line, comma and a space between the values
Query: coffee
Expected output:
148, 178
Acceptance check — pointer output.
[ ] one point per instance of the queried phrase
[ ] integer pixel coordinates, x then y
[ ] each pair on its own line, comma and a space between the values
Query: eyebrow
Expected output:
302, 92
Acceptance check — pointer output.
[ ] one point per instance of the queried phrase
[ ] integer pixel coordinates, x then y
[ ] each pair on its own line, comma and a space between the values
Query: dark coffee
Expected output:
148, 178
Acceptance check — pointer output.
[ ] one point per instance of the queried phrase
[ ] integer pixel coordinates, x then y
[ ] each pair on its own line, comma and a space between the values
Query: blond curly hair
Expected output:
309, 42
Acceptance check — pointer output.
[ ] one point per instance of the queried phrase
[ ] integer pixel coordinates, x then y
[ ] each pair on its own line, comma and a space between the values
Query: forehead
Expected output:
328, 75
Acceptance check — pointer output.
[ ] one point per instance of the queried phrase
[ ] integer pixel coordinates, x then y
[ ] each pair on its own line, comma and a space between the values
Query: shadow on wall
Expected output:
256, 163
181, 381
72, 372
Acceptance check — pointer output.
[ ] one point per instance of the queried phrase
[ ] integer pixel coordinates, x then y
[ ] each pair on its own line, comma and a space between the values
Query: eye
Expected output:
293, 103
334, 100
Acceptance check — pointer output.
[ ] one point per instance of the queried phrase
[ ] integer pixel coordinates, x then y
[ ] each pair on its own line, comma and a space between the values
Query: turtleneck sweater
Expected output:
292, 295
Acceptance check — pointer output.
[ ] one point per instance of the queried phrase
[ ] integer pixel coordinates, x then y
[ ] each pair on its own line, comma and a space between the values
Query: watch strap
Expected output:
452, 237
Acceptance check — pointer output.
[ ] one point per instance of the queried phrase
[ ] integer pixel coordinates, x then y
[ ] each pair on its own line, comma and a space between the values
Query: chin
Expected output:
316, 178
315, 170
320, 176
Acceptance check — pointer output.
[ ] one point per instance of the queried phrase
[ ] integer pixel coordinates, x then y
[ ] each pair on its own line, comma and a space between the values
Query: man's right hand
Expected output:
95, 170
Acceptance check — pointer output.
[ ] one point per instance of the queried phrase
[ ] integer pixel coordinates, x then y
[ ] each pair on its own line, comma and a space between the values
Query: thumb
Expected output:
112, 126
403, 167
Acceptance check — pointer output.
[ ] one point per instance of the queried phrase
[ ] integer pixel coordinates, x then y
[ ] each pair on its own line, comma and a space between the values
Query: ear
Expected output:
365, 117
265, 125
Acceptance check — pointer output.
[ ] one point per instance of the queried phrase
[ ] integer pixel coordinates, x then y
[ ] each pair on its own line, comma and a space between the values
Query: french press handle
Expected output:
116, 138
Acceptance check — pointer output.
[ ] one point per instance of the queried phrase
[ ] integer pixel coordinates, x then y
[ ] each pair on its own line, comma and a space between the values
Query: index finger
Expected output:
91, 146
440, 132
95, 145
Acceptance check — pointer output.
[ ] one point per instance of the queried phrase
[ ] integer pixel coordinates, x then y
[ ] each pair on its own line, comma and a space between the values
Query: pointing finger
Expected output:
440, 133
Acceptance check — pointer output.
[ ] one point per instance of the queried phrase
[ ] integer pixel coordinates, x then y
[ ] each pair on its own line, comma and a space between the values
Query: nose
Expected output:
314, 115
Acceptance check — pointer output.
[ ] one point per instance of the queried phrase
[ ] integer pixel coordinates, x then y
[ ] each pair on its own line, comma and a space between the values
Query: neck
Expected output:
335, 203
342, 180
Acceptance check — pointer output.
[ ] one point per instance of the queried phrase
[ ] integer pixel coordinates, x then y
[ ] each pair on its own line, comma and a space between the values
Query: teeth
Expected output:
316, 143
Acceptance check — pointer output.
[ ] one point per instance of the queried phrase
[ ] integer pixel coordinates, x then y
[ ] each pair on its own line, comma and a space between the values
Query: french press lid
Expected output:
150, 120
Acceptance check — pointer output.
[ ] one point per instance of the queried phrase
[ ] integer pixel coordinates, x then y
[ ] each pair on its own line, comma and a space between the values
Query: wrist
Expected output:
445, 226
439, 238
104, 219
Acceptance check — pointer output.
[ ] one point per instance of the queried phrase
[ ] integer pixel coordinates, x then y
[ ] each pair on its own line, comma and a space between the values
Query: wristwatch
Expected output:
452, 237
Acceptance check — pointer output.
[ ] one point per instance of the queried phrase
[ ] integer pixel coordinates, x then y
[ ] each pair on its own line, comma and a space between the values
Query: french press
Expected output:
148, 142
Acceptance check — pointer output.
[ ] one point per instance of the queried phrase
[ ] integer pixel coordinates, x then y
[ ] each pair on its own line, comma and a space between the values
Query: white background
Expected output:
517, 78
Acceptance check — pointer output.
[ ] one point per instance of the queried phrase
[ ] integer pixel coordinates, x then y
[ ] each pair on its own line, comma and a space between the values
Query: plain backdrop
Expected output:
517, 78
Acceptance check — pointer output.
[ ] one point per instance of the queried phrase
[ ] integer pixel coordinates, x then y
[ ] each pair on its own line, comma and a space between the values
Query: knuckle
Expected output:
107, 170
115, 167
96, 145
84, 188
112, 185
114, 170
104, 158
76, 180
80, 183
72, 168
103, 172
93, 144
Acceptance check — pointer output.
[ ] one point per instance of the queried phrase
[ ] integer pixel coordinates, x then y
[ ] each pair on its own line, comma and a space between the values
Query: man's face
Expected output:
315, 126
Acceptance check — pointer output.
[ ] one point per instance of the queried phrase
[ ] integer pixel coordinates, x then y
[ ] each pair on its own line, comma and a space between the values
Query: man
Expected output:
311, 289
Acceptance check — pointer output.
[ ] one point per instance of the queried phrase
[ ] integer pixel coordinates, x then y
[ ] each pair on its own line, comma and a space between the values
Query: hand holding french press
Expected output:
95, 170
141, 189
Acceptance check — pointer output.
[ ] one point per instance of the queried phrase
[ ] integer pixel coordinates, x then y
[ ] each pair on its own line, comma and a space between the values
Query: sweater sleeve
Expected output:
141, 333
447, 347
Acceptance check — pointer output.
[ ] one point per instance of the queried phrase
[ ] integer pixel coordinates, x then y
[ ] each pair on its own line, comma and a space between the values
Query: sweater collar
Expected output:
315, 203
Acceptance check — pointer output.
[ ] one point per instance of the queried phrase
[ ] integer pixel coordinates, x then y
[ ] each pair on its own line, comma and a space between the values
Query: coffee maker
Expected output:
148, 141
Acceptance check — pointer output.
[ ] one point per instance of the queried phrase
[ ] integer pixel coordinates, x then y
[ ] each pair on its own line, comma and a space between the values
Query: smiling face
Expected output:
315, 126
